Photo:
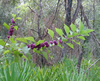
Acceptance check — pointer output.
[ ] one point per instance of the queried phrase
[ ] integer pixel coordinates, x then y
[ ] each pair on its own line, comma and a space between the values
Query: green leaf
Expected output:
25, 49
22, 45
60, 46
66, 29
25, 57
64, 39
45, 55
6, 64
51, 33
51, 57
40, 41
13, 15
2, 42
5, 52
22, 40
6, 25
37, 51
48, 51
34, 50
12, 40
13, 46
19, 18
76, 42
16, 52
16, 27
30, 38
75, 34
87, 31
69, 36
85, 34
59, 31
81, 37
73, 27
29, 56
81, 26
70, 45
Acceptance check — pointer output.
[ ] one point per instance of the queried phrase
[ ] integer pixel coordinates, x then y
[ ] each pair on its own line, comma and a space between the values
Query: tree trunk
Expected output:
65, 50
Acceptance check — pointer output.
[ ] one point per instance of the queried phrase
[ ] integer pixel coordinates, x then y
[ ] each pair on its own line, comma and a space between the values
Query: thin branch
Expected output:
34, 30
33, 10
55, 13
76, 11
94, 14
91, 65
65, 5
39, 18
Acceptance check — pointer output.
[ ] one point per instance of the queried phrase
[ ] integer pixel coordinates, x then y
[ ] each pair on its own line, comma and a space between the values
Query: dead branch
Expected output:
91, 65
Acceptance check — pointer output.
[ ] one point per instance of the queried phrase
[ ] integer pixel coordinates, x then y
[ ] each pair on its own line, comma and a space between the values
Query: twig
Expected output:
34, 30
91, 65
33, 10
55, 12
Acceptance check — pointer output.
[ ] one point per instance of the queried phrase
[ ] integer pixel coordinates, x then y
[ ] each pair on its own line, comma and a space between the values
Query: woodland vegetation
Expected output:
49, 40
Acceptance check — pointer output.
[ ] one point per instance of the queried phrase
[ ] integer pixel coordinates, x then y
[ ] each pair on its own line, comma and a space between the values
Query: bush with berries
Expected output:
21, 49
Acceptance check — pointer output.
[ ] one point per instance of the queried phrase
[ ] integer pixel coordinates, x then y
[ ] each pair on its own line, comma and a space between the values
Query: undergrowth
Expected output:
66, 71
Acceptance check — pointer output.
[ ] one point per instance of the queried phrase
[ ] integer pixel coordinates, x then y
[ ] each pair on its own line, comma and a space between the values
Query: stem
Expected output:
91, 65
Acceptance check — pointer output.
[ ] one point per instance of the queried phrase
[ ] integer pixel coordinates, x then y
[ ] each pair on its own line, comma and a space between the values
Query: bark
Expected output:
68, 13
66, 49
76, 11
79, 61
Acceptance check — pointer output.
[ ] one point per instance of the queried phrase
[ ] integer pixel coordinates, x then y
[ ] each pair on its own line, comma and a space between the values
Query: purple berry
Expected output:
42, 44
10, 33
11, 30
12, 27
45, 42
8, 36
60, 41
47, 45
55, 42
51, 42
28, 46
32, 46
38, 46
12, 21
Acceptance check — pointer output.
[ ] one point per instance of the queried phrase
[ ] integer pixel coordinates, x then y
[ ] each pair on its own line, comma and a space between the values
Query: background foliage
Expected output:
52, 19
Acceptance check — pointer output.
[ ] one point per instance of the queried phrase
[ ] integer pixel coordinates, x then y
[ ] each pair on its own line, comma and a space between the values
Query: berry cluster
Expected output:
11, 29
45, 44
